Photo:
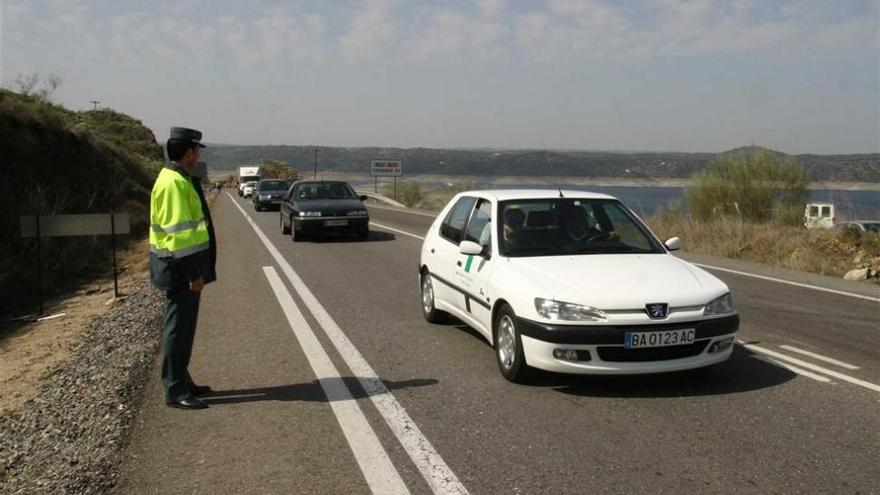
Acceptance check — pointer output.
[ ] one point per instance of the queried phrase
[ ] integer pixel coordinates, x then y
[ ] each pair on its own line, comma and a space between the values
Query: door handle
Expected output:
458, 263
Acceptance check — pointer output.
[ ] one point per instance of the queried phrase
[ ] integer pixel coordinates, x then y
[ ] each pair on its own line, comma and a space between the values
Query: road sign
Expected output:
41, 226
385, 168
75, 225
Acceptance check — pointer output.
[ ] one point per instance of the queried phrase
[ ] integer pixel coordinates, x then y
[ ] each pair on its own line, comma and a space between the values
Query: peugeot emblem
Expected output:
657, 310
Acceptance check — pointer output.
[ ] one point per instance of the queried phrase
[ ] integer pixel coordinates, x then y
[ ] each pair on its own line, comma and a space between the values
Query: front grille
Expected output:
621, 354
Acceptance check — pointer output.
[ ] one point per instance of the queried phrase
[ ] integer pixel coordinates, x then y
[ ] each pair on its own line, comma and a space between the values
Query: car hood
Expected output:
619, 281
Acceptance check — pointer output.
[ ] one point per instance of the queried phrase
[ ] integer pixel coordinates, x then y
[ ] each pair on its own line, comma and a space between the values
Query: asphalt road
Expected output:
329, 380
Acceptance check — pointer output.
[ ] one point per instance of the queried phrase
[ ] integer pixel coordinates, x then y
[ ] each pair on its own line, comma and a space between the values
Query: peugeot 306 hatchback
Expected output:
571, 282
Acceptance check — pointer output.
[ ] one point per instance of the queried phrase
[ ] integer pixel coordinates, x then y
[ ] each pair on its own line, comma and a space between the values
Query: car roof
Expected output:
515, 194
320, 182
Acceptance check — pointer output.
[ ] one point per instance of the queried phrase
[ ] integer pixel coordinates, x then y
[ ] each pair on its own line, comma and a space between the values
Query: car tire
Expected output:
508, 347
431, 313
285, 229
364, 234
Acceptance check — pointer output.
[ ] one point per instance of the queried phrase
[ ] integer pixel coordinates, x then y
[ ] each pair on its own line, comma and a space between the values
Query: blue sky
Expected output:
700, 75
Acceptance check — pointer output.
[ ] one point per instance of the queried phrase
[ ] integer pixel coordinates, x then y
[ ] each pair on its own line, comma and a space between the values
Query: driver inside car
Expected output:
576, 225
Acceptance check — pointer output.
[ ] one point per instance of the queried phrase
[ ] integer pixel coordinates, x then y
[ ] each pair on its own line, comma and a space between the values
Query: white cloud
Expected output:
370, 32
449, 34
489, 8
598, 29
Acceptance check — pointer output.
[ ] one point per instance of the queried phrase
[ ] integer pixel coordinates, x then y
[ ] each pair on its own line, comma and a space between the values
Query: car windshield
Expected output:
324, 190
273, 185
566, 226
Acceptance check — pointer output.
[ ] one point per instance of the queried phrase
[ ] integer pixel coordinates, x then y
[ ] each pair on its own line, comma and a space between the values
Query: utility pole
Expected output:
316, 163
95, 102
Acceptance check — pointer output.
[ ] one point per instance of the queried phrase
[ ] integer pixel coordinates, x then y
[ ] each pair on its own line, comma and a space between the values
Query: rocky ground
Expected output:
67, 438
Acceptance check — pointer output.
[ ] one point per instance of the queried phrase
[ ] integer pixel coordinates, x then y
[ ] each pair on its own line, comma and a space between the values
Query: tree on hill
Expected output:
277, 169
753, 184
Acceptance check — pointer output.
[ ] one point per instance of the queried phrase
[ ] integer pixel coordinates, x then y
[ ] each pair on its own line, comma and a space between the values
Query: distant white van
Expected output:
819, 216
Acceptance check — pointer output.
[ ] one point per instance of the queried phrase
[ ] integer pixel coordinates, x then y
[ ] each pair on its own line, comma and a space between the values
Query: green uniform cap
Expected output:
184, 134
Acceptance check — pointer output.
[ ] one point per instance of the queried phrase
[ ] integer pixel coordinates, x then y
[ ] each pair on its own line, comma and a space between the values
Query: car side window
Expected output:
453, 225
479, 226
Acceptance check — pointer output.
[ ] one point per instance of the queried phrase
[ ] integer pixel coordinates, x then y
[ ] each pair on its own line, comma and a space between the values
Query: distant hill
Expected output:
59, 161
418, 161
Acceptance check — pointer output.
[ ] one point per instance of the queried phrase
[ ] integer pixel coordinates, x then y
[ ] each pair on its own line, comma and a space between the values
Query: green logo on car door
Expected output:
467, 266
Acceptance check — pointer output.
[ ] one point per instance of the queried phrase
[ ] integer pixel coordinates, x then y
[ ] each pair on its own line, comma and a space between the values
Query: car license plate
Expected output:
335, 223
637, 340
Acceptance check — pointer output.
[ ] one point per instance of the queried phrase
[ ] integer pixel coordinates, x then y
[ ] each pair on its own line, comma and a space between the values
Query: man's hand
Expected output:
196, 285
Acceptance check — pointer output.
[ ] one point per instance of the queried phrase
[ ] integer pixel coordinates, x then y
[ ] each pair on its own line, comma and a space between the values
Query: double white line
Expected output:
800, 366
379, 471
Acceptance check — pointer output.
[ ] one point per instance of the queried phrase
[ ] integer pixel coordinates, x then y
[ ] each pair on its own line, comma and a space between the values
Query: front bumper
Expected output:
263, 203
601, 348
314, 225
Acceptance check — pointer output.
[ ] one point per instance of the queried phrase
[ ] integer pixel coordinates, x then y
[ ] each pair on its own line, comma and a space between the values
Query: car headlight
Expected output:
310, 213
557, 310
357, 213
720, 306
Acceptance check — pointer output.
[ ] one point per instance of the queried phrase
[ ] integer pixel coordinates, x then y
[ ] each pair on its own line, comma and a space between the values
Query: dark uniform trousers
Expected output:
181, 315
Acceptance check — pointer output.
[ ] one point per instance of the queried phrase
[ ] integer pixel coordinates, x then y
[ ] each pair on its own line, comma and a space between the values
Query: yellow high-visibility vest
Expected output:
177, 223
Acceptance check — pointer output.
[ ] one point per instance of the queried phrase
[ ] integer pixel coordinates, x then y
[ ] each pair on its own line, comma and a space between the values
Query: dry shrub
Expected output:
828, 252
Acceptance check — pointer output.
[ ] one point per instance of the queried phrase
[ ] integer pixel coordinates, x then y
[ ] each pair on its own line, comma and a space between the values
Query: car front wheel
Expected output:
285, 229
508, 347
431, 313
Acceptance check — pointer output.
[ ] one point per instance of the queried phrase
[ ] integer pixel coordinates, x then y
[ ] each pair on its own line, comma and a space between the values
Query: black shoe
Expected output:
188, 403
200, 389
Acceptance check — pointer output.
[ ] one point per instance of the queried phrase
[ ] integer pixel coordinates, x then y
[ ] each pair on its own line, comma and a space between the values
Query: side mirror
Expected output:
470, 248
362, 197
673, 243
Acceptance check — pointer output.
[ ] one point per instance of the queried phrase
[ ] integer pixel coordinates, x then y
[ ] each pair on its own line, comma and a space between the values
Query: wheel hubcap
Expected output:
506, 342
427, 294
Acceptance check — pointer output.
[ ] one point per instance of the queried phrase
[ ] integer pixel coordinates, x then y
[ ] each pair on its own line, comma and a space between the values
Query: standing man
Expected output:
180, 262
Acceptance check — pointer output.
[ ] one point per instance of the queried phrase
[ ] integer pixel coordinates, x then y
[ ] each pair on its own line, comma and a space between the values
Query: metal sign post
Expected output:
40, 226
386, 168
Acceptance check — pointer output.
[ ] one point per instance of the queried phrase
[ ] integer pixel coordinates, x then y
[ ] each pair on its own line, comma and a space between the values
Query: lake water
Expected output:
850, 205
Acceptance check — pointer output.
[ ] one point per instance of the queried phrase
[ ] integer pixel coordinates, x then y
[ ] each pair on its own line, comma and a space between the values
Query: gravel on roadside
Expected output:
68, 438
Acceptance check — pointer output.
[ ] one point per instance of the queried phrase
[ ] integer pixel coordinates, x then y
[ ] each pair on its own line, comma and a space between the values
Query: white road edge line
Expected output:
788, 282
813, 367
819, 357
439, 476
403, 211
379, 471
793, 369
392, 229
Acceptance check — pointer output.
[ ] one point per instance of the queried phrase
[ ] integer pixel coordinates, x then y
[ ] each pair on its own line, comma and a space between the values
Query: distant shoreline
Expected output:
513, 181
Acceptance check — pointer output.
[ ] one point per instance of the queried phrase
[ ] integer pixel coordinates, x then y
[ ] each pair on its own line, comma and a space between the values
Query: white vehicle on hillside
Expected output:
571, 282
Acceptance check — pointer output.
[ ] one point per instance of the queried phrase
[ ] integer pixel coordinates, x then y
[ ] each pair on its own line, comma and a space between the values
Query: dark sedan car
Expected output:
269, 193
314, 208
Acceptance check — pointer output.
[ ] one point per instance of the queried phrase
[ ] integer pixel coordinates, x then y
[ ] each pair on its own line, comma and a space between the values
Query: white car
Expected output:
248, 189
571, 282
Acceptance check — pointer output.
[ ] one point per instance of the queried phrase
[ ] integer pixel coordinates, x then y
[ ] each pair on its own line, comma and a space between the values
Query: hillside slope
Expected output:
59, 161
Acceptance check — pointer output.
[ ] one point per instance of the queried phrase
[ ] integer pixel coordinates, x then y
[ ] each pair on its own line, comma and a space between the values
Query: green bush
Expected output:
755, 185
408, 192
